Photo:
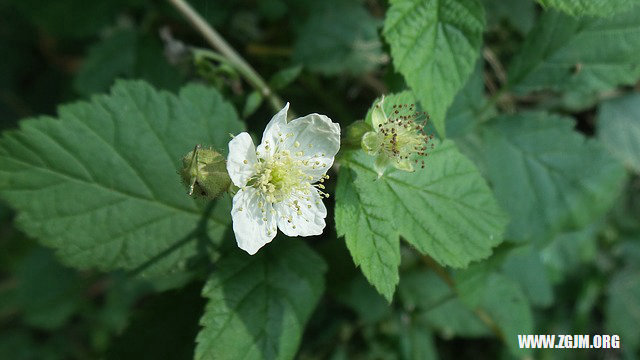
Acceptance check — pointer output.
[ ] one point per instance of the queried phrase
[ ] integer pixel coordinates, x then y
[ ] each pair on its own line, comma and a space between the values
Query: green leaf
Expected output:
125, 54
521, 14
501, 299
253, 102
547, 176
284, 77
446, 210
437, 305
48, 293
623, 307
586, 55
603, 8
469, 106
566, 251
364, 219
258, 305
168, 320
434, 44
339, 37
524, 265
416, 341
100, 184
73, 18
363, 299
619, 128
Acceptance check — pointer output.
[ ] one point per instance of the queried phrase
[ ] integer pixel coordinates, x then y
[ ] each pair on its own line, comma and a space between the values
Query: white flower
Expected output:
277, 180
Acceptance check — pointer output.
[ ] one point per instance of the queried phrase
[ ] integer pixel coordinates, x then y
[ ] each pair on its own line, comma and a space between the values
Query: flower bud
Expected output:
353, 134
204, 171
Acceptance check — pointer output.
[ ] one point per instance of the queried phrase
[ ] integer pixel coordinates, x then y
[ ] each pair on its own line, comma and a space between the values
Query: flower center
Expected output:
402, 136
279, 176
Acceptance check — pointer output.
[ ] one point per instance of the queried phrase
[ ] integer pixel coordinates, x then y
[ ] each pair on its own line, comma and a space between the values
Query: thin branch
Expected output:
219, 43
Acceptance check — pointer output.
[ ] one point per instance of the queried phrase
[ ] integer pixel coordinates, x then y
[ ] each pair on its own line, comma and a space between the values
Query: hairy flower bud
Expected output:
204, 171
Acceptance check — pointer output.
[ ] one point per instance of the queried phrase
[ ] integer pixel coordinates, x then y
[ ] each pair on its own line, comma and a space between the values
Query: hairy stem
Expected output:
220, 44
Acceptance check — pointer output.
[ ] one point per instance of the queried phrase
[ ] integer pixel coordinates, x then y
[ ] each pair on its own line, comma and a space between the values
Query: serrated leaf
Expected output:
364, 219
258, 305
590, 7
619, 128
587, 55
435, 44
100, 184
339, 37
547, 176
623, 307
501, 299
446, 210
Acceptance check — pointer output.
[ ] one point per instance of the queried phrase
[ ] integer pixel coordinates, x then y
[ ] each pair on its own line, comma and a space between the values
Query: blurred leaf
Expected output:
48, 293
589, 7
284, 77
468, 105
436, 304
521, 14
339, 37
502, 300
548, 177
619, 128
435, 44
252, 103
73, 18
258, 305
19, 344
588, 55
362, 298
416, 341
446, 211
99, 184
623, 307
523, 265
162, 328
125, 54
567, 251
364, 218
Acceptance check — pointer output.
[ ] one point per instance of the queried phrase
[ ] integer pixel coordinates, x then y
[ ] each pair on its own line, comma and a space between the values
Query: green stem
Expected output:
218, 42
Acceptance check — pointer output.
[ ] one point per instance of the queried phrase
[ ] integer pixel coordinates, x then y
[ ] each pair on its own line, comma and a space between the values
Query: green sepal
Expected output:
204, 171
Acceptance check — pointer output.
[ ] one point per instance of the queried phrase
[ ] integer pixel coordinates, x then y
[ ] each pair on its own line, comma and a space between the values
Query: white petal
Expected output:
309, 222
273, 132
253, 227
242, 159
315, 139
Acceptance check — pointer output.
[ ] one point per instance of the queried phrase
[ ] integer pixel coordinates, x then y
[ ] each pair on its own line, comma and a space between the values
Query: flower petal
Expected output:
254, 227
302, 215
272, 133
315, 139
242, 159
377, 115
